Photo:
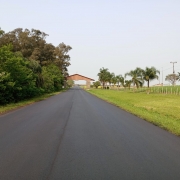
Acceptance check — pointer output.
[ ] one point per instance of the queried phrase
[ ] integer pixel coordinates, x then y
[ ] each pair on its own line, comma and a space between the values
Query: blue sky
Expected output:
119, 34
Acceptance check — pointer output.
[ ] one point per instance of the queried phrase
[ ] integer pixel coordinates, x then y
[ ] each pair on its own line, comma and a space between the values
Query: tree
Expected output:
37, 70
1, 32
122, 80
30, 66
62, 58
109, 79
52, 78
178, 76
6, 85
70, 83
150, 74
114, 80
172, 78
136, 77
18, 80
33, 46
118, 78
103, 76
96, 84
128, 83
24, 41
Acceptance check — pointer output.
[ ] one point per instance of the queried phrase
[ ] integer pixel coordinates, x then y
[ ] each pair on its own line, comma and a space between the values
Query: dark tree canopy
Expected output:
33, 46
30, 66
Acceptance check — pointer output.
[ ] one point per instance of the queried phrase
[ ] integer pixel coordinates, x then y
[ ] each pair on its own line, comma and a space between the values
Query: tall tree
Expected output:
122, 80
114, 80
128, 83
37, 70
1, 32
110, 76
172, 78
62, 58
150, 74
21, 80
136, 77
118, 78
103, 76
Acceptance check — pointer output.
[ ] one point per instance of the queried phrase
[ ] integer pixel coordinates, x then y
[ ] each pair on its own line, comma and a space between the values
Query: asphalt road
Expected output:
76, 136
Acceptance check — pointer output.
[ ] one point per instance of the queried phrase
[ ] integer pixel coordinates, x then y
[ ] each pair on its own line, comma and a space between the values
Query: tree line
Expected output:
29, 66
136, 77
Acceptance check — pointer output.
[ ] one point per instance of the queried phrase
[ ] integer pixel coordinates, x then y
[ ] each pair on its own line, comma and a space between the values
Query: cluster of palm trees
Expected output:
137, 77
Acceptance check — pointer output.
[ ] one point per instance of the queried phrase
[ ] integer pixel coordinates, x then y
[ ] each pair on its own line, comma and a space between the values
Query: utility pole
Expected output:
174, 73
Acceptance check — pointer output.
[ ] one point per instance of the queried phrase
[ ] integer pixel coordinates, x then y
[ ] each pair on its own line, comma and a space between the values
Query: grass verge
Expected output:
12, 106
159, 109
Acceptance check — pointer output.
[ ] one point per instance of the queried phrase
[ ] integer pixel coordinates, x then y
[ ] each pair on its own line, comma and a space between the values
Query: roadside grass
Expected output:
155, 90
162, 110
13, 106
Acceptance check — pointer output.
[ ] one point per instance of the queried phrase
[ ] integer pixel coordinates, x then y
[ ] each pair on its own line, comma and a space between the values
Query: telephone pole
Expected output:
174, 73
173, 66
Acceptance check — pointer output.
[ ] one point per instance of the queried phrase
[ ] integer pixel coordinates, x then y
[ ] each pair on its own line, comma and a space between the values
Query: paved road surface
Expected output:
76, 136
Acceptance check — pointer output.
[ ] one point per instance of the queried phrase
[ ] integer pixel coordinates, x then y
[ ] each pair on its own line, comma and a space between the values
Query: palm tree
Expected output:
150, 74
128, 83
136, 76
118, 78
114, 80
103, 75
122, 80
110, 76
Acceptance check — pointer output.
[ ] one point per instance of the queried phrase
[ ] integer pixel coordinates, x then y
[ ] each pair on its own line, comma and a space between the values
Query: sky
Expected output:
119, 34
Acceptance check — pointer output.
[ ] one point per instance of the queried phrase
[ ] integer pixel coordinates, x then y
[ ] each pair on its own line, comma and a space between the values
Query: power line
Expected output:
167, 69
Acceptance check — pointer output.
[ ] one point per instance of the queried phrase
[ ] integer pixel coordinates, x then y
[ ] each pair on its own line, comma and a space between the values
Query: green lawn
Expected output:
162, 110
12, 106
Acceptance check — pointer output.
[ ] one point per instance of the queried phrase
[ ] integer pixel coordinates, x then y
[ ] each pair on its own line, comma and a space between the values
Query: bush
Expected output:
17, 80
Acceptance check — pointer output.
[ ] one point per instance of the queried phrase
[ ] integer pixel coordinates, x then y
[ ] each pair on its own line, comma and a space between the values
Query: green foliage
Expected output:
136, 77
114, 80
17, 80
96, 84
13, 106
33, 46
128, 83
70, 83
21, 79
1, 32
52, 78
62, 59
37, 70
119, 79
150, 74
103, 76
6, 85
172, 78
29, 66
